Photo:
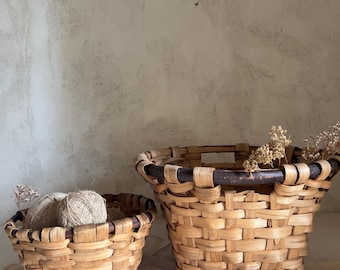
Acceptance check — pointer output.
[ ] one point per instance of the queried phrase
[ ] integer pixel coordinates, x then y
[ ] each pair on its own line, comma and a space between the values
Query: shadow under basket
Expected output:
221, 217
116, 244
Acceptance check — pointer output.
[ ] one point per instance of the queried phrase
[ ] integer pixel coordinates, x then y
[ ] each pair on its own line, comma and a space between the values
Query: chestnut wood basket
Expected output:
220, 217
116, 244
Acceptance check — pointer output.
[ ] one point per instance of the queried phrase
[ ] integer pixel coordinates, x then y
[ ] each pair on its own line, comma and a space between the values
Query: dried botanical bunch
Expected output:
267, 153
323, 146
279, 142
25, 195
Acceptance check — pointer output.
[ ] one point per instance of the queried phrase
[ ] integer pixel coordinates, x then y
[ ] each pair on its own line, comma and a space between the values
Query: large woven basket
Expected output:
221, 217
112, 245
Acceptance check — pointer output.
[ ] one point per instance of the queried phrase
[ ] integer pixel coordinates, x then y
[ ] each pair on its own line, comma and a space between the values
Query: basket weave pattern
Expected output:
242, 227
111, 245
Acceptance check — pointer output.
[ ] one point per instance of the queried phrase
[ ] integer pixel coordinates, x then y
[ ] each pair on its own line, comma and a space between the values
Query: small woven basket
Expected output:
221, 217
112, 245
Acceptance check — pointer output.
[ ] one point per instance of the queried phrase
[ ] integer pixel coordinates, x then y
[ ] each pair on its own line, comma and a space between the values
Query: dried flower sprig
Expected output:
267, 153
24, 196
323, 146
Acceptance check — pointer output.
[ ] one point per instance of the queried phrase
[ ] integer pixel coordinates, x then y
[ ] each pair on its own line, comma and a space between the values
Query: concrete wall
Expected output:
87, 85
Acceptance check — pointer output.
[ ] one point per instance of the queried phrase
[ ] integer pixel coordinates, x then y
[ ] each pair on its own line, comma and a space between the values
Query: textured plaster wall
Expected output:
87, 85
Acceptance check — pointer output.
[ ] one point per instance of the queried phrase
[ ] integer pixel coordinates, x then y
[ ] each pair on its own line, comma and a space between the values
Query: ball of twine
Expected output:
44, 212
82, 207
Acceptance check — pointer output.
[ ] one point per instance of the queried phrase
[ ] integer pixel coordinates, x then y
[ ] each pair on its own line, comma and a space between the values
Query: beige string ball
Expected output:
82, 207
44, 212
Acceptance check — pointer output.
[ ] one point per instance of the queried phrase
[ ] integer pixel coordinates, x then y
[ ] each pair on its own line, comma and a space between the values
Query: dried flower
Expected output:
263, 155
250, 165
323, 146
24, 196
278, 136
267, 153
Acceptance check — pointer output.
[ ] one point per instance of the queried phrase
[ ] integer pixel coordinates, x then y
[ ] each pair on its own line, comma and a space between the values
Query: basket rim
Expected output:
150, 213
148, 168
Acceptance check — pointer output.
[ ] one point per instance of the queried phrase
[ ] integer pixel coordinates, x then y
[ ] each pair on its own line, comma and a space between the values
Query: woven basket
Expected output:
220, 217
112, 245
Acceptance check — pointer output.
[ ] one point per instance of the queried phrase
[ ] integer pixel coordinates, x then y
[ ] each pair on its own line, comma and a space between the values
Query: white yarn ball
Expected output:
44, 212
82, 207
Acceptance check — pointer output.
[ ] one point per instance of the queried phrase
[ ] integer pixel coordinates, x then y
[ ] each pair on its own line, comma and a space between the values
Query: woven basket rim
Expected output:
148, 167
150, 212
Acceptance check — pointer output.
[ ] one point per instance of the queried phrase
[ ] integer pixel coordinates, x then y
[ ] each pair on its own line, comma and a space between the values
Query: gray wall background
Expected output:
87, 85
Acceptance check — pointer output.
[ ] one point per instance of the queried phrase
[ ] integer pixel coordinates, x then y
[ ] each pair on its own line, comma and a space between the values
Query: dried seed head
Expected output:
323, 146
267, 153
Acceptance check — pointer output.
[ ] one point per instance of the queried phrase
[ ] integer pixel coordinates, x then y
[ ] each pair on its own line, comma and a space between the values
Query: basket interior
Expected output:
229, 157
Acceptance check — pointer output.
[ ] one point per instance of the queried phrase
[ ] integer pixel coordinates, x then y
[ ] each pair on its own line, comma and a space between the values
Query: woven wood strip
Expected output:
325, 169
116, 245
170, 173
259, 225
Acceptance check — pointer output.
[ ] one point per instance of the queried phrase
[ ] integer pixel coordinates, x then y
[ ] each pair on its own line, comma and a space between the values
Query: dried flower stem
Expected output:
24, 196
